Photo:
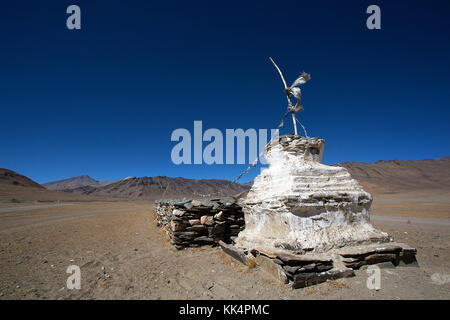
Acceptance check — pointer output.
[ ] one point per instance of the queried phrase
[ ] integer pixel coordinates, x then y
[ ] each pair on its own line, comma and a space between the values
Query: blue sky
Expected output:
105, 99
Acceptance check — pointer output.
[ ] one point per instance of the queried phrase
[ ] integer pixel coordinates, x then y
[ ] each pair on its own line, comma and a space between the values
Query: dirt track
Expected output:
123, 255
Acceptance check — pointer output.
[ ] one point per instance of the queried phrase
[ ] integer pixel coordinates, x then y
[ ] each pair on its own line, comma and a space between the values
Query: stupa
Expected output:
306, 222
300, 204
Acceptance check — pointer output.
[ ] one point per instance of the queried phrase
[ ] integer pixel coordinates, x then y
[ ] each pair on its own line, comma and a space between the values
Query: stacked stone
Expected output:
356, 257
194, 223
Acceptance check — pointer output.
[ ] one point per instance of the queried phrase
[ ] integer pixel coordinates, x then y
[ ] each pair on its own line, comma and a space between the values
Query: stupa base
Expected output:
303, 270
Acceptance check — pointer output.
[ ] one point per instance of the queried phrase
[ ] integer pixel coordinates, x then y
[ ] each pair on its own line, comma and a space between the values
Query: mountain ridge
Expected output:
390, 176
383, 176
157, 187
75, 182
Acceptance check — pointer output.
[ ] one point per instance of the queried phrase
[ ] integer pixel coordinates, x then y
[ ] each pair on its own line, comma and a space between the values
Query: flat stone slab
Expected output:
362, 250
273, 269
303, 259
303, 280
291, 258
355, 257
234, 252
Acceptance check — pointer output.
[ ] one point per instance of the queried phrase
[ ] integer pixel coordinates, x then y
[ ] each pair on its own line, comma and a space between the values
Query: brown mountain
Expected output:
8, 177
74, 183
393, 176
399, 176
15, 187
152, 188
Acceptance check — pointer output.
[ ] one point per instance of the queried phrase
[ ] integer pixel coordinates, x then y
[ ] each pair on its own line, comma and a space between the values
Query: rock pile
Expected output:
193, 223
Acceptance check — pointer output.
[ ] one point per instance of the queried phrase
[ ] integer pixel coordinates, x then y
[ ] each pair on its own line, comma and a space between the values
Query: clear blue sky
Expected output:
104, 100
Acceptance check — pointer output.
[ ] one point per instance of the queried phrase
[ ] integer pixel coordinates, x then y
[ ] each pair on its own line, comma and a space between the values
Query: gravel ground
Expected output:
123, 255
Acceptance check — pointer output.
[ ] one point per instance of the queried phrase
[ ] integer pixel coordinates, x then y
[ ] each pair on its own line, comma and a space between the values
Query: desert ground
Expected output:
123, 255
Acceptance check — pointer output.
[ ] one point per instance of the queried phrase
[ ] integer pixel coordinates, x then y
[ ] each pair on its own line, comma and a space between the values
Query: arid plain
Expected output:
123, 255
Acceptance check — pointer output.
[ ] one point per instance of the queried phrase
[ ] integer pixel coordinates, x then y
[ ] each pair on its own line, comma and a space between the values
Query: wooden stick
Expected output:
279, 71
284, 82
304, 129
287, 95
295, 123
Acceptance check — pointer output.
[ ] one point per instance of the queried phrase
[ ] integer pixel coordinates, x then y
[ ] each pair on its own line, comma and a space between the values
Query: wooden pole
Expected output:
287, 94
295, 123
279, 71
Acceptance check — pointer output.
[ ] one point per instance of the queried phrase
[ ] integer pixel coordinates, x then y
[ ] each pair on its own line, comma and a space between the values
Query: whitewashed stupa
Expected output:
307, 222
299, 204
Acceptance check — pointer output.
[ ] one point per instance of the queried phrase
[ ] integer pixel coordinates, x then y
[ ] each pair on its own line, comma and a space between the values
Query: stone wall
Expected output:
194, 223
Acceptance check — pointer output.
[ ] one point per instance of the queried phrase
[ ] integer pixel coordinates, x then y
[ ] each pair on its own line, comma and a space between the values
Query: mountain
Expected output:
399, 176
8, 177
382, 177
74, 183
152, 188
15, 187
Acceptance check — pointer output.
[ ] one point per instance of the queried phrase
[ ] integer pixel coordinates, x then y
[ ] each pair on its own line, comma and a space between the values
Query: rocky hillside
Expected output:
11, 178
15, 187
399, 176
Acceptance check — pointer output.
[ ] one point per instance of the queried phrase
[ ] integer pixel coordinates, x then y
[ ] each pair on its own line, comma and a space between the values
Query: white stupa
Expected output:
307, 222
302, 205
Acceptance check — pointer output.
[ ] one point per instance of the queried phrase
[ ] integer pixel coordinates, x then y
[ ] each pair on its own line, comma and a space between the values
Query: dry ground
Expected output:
123, 255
